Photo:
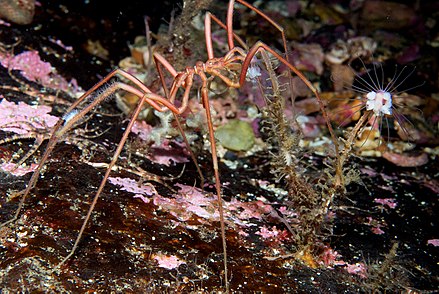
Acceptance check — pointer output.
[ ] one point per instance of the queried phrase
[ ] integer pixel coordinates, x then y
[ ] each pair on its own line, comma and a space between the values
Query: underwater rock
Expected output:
236, 135
406, 160
387, 15
17, 11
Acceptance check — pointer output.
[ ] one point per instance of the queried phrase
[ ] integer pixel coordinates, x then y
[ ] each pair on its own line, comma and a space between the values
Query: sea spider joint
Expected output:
69, 115
253, 72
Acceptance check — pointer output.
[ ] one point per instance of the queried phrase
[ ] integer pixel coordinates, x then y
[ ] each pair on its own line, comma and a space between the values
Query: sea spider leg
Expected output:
260, 46
145, 97
185, 79
159, 60
230, 36
38, 134
61, 128
207, 31
69, 121
273, 23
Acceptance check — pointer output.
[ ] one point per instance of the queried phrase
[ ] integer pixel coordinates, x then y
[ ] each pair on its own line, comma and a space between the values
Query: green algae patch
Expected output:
236, 135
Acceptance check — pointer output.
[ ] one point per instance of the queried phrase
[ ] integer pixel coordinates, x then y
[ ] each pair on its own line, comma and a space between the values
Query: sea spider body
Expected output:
231, 68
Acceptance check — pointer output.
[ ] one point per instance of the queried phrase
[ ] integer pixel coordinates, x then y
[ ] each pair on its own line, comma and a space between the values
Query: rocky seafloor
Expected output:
154, 229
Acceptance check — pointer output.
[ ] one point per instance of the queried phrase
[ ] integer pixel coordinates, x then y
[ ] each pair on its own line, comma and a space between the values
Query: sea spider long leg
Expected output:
236, 60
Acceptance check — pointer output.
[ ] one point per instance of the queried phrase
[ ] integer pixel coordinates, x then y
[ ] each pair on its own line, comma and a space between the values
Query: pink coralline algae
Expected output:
357, 269
25, 119
331, 258
133, 186
143, 130
167, 261
254, 209
30, 65
375, 226
273, 237
191, 202
377, 230
268, 233
166, 154
17, 171
188, 202
161, 152
389, 202
34, 69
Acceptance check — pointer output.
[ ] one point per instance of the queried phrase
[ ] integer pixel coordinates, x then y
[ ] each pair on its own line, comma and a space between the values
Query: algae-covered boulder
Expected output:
236, 135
